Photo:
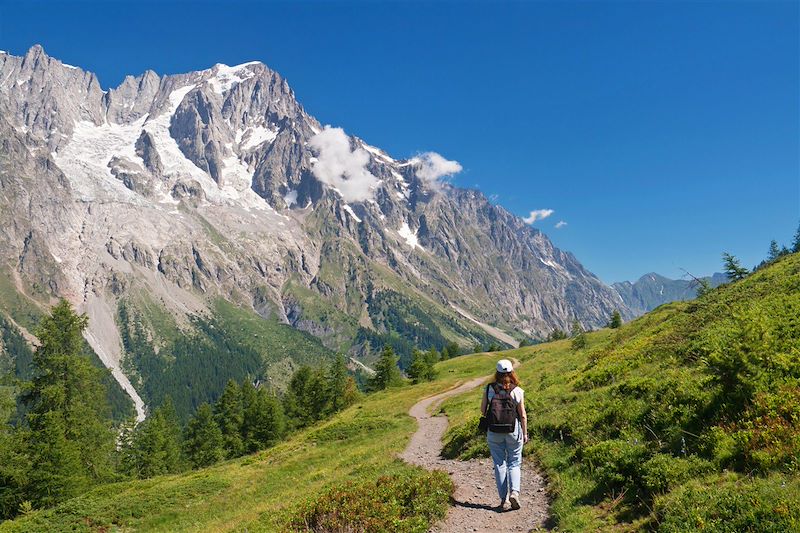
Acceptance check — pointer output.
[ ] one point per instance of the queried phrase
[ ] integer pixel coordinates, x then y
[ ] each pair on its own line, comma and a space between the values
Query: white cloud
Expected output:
340, 167
538, 214
560, 224
433, 167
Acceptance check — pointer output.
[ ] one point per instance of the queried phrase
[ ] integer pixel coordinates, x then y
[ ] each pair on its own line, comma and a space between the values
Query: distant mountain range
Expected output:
652, 290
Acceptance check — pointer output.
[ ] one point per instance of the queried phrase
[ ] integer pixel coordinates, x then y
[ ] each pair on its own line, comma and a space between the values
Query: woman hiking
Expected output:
503, 405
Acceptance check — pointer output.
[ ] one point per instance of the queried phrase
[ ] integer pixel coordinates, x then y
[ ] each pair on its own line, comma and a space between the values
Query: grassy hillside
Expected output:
686, 419
349, 458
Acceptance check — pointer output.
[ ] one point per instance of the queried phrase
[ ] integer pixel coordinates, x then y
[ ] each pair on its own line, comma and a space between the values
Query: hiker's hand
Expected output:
525, 439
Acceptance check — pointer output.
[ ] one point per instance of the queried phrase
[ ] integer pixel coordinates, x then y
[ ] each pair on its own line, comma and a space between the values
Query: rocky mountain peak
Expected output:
188, 188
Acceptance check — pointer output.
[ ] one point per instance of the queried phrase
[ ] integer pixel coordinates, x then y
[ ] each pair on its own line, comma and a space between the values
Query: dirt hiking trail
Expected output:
475, 496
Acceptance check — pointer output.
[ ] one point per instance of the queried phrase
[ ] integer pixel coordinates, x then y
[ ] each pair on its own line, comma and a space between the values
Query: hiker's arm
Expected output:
483, 403
523, 419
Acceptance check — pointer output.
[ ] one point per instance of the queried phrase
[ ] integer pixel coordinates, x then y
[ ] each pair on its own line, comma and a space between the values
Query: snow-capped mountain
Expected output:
174, 191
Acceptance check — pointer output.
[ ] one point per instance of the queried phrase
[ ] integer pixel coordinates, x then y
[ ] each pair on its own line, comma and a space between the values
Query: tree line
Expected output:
60, 439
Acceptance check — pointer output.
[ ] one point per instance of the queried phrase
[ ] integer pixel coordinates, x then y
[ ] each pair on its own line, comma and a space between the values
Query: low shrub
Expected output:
614, 463
663, 472
396, 503
732, 504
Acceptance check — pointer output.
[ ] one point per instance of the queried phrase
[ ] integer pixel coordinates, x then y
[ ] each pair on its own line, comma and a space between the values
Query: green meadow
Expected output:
275, 490
686, 419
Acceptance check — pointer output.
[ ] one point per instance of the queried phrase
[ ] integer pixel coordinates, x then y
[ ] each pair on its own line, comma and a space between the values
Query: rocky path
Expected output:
475, 497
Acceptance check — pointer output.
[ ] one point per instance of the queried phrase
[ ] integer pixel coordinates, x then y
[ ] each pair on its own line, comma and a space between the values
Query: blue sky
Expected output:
662, 133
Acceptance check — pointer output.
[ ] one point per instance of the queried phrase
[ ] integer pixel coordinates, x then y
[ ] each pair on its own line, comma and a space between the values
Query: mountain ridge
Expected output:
179, 189
652, 290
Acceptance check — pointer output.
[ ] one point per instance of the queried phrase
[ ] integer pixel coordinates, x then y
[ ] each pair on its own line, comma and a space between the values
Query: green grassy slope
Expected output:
686, 419
265, 491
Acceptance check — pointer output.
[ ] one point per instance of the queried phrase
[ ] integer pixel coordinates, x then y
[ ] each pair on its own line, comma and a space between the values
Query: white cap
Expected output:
504, 366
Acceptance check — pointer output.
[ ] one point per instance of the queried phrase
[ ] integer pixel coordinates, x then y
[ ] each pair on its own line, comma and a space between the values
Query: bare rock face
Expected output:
202, 185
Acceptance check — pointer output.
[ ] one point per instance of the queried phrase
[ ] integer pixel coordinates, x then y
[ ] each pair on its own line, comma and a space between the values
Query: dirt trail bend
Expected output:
475, 496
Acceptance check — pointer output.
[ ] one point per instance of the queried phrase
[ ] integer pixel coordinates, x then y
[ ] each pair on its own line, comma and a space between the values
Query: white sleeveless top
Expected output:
518, 394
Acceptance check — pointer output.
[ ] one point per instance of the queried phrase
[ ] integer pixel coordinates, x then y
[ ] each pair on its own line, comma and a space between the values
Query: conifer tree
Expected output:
229, 415
450, 350
174, 460
703, 287
578, 336
431, 358
14, 463
774, 251
733, 268
417, 370
340, 386
387, 374
70, 437
316, 396
203, 442
264, 422
616, 320
296, 401
796, 241
422, 365
155, 444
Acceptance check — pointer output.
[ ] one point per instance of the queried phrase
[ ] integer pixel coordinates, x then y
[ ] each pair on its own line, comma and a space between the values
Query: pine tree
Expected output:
796, 241
733, 269
296, 402
70, 438
387, 374
154, 447
203, 442
317, 396
174, 460
703, 287
616, 320
431, 358
340, 386
578, 336
229, 415
264, 422
417, 370
557, 335
14, 464
450, 350
774, 251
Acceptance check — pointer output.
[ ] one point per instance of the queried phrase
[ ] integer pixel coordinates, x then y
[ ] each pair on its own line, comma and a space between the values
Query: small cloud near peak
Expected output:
560, 224
433, 169
340, 167
538, 214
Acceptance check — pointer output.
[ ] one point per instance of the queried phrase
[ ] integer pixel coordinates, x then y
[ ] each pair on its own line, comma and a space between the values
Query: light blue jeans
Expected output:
506, 450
